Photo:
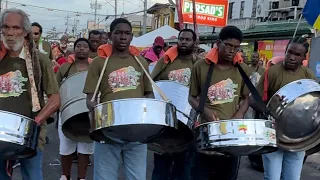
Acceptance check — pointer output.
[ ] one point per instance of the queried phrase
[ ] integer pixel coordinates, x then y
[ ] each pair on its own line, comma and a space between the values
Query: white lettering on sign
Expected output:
211, 10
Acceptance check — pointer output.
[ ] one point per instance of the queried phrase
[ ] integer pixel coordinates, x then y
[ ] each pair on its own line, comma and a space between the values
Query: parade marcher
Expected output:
255, 68
43, 46
256, 73
176, 66
283, 164
261, 63
154, 53
76, 63
61, 53
132, 84
104, 38
227, 98
22, 62
95, 40
245, 57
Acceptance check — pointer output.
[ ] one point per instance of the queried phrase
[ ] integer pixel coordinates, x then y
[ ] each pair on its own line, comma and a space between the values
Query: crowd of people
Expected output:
42, 69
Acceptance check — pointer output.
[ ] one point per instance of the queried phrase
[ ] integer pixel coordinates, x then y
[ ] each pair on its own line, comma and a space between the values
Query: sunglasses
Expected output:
36, 33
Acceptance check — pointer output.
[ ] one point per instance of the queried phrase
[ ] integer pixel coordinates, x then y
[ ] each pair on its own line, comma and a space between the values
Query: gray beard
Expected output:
18, 45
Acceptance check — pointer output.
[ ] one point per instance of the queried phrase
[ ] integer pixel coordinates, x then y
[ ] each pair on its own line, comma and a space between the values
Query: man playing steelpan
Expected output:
78, 62
123, 78
176, 66
26, 74
227, 99
284, 164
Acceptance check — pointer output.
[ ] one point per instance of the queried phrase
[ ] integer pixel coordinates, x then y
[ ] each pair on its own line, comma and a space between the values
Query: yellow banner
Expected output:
316, 24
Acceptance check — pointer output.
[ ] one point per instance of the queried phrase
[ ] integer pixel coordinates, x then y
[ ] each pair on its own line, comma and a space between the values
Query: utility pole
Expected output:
0, 6
115, 9
95, 12
67, 23
95, 6
144, 30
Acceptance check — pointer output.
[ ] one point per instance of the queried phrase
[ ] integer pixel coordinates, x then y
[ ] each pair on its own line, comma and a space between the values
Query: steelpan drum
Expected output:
178, 94
18, 136
296, 110
74, 112
135, 120
237, 137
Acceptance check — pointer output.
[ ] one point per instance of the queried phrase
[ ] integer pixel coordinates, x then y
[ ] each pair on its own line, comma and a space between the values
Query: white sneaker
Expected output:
63, 177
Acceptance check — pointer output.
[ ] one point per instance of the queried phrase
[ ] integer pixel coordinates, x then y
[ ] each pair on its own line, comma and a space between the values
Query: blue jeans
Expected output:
169, 166
31, 168
283, 164
107, 159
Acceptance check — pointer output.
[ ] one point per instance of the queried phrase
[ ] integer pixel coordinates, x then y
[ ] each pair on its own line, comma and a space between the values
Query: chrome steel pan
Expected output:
237, 137
178, 95
137, 120
18, 136
74, 112
295, 109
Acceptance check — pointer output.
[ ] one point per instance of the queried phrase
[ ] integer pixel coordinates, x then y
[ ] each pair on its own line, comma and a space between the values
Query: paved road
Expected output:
51, 168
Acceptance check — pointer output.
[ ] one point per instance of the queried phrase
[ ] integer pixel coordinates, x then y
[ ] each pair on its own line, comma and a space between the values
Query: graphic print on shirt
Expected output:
180, 75
255, 77
222, 92
11, 84
124, 79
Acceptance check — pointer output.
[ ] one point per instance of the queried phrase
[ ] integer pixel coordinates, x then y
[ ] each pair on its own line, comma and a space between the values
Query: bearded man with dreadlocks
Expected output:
283, 164
22, 63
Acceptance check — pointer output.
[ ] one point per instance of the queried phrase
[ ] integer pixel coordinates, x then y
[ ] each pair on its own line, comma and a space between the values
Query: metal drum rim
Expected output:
22, 116
128, 99
298, 140
293, 82
304, 147
68, 103
72, 76
171, 82
208, 123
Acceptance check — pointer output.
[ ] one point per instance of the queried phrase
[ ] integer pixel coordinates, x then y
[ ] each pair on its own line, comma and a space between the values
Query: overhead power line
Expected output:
68, 11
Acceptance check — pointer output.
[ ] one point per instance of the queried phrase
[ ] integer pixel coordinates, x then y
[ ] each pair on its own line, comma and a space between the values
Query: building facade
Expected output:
162, 14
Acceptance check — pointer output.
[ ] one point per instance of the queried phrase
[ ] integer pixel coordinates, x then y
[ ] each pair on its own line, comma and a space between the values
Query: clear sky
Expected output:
52, 18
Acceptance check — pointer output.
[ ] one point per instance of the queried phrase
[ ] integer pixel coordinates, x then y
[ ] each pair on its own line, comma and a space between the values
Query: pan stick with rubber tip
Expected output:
100, 79
163, 96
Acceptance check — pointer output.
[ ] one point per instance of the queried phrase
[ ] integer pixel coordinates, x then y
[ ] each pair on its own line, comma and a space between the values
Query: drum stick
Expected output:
163, 96
100, 79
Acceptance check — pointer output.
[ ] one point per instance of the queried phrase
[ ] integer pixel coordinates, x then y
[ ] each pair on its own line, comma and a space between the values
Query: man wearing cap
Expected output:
154, 53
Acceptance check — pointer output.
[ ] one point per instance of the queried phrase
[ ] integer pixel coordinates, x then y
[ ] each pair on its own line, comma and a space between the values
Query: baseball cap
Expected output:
159, 41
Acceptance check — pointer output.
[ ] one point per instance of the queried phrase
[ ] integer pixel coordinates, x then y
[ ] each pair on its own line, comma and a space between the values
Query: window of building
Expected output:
166, 20
254, 9
242, 9
230, 10
157, 22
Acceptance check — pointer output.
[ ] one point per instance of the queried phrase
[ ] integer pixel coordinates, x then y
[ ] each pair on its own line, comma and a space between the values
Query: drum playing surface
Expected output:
295, 109
236, 137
